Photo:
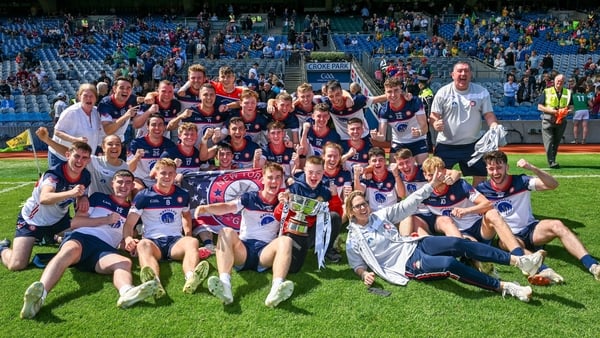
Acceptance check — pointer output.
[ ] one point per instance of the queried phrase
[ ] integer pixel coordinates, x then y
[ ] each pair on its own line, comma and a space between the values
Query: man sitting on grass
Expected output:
164, 210
257, 246
46, 212
92, 247
511, 196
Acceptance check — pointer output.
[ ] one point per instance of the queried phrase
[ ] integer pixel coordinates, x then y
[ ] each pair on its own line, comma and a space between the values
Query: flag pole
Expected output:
37, 162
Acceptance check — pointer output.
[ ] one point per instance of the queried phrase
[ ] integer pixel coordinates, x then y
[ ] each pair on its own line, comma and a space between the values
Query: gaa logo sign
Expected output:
327, 76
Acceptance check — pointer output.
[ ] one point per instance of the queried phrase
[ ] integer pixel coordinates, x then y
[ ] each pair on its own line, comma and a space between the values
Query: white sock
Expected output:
123, 290
189, 275
225, 278
276, 283
44, 294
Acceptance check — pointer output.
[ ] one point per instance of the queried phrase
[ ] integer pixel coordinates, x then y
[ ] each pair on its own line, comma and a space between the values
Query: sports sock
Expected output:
588, 261
207, 241
517, 252
276, 283
44, 294
189, 274
123, 290
542, 268
225, 278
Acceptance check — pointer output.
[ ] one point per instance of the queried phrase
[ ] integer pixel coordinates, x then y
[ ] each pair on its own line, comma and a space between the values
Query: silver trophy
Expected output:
303, 206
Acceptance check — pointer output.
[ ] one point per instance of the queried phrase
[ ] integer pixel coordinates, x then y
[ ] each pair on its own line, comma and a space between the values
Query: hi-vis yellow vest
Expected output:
552, 99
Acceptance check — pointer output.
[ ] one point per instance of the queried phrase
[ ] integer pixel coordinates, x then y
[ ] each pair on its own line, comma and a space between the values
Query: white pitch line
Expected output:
15, 187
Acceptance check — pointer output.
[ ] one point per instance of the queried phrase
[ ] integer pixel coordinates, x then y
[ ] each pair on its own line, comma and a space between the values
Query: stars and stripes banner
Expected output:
208, 187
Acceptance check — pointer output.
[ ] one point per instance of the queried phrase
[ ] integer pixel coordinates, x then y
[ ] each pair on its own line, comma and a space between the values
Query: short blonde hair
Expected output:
433, 163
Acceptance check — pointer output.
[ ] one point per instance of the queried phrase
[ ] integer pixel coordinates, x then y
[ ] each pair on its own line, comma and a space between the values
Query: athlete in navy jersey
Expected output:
276, 150
161, 102
46, 212
118, 109
381, 186
92, 246
317, 133
189, 93
356, 149
165, 214
145, 151
310, 184
254, 118
257, 247
413, 178
185, 155
511, 196
470, 211
244, 149
406, 118
334, 170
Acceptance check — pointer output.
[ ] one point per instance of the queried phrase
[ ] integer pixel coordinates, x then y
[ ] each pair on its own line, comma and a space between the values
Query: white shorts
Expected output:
581, 115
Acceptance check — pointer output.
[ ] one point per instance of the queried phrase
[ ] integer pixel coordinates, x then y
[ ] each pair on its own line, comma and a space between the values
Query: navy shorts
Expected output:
416, 148
475, 232
526, 235
429, 219
253, 249
92, 250
44, 234
461, 154
165, 244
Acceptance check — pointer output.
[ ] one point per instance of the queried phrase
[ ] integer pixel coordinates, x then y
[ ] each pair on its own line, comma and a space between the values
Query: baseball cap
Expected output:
61, 95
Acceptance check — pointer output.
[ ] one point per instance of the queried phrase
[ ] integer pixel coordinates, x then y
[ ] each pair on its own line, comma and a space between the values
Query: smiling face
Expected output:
461, 75
271, 180
165, 93
122, 90
321, 118
122, 186
497, 171
237, 130
314, 174
88, 100
197, 79
112, 146
358, 209
165, 175
355, 131
208, 96
275, 136
378, 163
188, 137
332, 158
407, 166
77, 160
394, 95
156, 127
225, 157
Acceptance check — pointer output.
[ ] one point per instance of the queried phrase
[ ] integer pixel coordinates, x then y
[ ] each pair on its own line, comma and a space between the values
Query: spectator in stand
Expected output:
526, 92
499, 62
510, 91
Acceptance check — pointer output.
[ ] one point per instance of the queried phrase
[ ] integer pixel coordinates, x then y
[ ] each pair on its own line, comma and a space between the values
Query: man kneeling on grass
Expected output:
165, 212
257, 246
92, 247
374, 243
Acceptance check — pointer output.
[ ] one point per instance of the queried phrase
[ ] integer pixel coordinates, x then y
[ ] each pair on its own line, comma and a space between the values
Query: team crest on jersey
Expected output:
472, 103
447, 212
266, 219
167, 216
179, 199
388, 185
411, 187
452, 197
401, 127
380, 198
504, 207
